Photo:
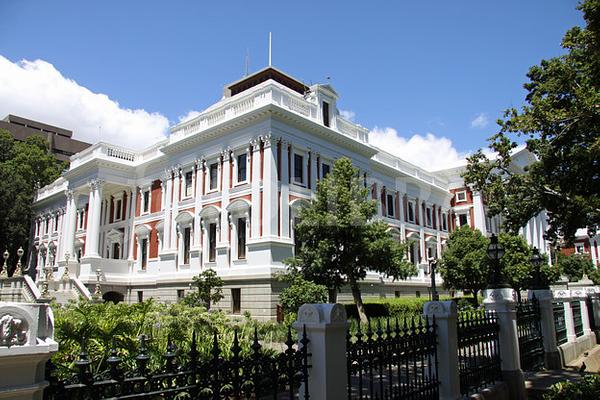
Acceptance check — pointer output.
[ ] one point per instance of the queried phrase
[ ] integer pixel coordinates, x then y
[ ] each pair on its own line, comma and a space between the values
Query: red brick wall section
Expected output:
155, 203
405, 208
153, 253
383, 202
138, 202
472, 214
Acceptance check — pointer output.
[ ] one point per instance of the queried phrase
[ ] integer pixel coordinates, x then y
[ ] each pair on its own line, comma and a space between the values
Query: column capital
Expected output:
255, 141
266, 139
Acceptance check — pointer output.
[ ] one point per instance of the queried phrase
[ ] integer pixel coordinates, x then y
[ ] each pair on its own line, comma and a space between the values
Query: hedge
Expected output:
398, 306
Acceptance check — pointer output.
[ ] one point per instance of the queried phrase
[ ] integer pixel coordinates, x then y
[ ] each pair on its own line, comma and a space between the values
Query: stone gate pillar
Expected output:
26, 343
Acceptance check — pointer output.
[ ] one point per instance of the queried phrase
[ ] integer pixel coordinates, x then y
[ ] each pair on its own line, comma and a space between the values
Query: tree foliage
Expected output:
464, 263
560, 124
24, 168
210, 290
573, 266
300, 291
340, 240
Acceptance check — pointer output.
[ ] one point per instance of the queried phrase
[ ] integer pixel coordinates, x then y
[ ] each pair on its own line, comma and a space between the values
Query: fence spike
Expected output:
235, 347
215, 351
142, 357
289, 342
114, 360
255, 344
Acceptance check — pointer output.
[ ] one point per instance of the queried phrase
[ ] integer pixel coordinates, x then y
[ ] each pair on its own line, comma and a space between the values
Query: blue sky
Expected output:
403, 68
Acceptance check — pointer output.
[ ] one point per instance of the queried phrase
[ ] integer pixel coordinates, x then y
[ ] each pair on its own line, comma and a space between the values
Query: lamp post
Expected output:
495, 251
432, 266
536, 261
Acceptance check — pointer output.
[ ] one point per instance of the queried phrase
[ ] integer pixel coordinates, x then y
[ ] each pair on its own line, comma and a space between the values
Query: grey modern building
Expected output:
61, 142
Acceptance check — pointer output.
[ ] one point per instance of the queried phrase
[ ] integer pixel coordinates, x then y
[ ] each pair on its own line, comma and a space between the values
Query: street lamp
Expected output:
432, 266
536, 261
495, 251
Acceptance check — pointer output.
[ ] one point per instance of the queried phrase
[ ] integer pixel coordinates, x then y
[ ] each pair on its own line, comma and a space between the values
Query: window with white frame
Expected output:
117, 208
461, 196
428, 216
390, 205
241, 238
187, 237
189, 183
242, 167
411, 211
325, 169
462, 219
298, 169
80, 218
56, 222
146, 201
212, 242
213, 176
579, 248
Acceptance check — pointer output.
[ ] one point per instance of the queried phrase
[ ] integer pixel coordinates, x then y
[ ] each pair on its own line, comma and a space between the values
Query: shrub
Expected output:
586, 389
301, 292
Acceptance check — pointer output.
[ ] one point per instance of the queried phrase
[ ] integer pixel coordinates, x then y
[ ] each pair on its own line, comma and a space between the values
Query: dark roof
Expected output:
264, 75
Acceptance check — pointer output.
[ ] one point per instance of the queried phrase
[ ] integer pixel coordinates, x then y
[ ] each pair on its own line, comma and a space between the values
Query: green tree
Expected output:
210, 289
573, 266
464, 263
300, 291
24, 168
559, 123
340, 240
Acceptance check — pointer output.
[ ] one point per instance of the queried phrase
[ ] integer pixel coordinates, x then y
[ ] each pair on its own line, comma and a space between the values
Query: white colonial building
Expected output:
223, 191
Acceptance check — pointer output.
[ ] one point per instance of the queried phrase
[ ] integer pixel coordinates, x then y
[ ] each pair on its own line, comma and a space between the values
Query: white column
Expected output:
255, 223
551, 354
326, 326
503, 303
68, 234
133, 194
167, 215
313, 171
226, 156
446, 315
285, 188
175, 208
198, 202
479, 212
93, 229
270, 196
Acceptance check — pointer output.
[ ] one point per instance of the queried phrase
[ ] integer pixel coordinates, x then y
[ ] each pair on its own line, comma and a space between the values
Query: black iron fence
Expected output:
577, 318
395, 361
529, 331
259, 375
560, 326
478, 350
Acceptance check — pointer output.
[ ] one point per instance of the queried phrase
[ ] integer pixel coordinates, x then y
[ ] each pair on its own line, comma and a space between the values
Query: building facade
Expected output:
60, 140
223, 191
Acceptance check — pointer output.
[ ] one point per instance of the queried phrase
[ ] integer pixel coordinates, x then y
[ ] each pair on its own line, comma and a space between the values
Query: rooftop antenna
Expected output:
269, 49
247, 61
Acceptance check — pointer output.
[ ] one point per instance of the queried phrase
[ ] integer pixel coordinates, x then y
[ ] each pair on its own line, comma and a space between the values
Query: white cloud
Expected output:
480, 121
349, 115
190, 114
429, 152
37, 90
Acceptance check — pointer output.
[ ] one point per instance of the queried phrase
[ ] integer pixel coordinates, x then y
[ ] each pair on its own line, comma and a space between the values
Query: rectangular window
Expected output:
116, 251
461, 196
462, 219
428, 216
55, 223
214, 175
187, 234
189, 186
325, 113
396, 293
241, 238
180, 294
146, 200
144, 250
579, 248
212, 242
298, 168
47, 225
241, 167
236, 301
325, 168
411, 212
444, 222
140, 295
418, 293
390, 205
118, 206
81, 217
